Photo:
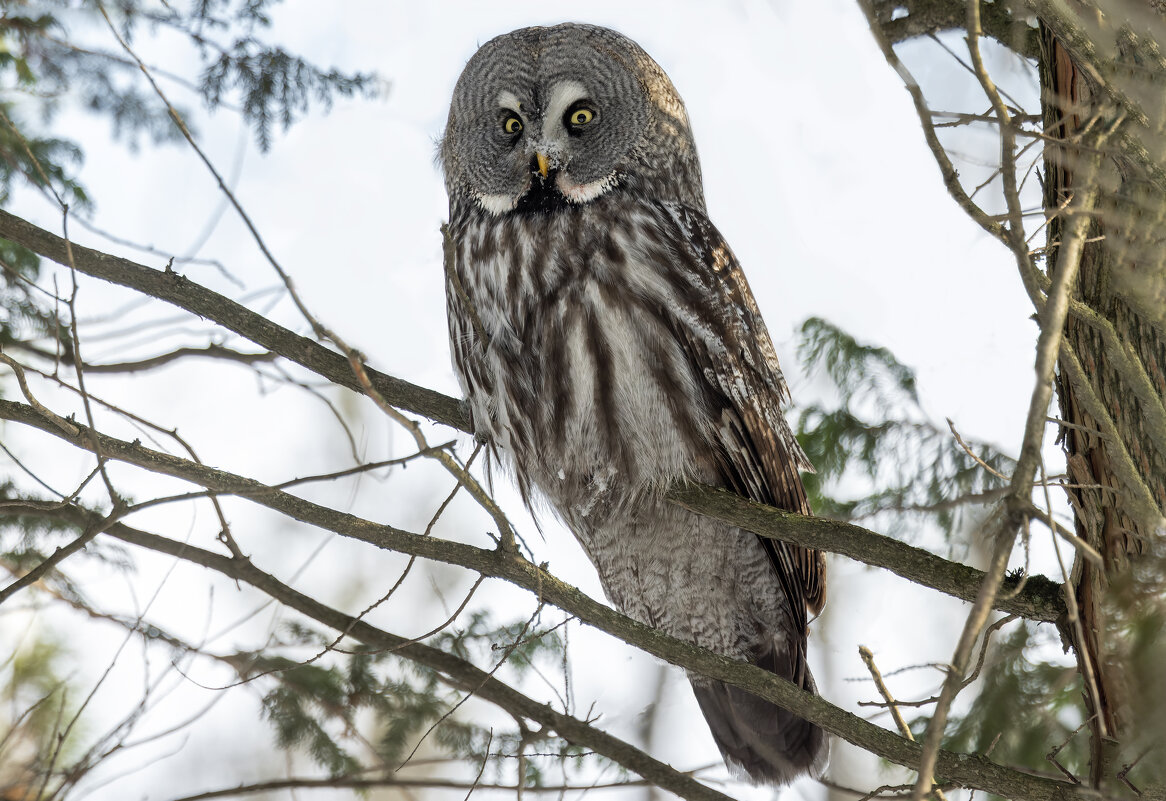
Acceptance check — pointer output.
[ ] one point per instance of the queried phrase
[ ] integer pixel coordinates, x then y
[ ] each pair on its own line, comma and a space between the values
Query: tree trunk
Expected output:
1112, 403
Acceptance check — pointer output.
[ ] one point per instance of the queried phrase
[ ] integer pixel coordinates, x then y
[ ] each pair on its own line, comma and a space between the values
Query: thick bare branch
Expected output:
1040, 600
966, 770
925, 17
202, 302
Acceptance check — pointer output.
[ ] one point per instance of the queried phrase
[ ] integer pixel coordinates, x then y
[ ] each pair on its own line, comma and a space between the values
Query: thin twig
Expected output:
59, 555
968, 450
154, 362
186, 134
1052, 321
396, 782
884, 691
951, 178
65, 425
1085, 657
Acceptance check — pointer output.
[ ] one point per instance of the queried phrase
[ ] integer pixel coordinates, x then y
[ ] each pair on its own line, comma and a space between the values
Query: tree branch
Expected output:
178, 290
925, 17
459, 672
951, 177
1070, 23
153, 362
965, 770
1041, 599
390, 782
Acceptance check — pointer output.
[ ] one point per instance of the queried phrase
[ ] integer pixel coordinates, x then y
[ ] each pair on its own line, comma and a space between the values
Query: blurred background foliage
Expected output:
876, 433
46, 65
320, 707
880, 456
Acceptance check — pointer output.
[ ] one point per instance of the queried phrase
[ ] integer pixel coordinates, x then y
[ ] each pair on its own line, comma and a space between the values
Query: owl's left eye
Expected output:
580, 115
512, 125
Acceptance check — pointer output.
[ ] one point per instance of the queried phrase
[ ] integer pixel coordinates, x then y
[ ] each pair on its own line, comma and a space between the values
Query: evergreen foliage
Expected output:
1027, 705
878, 437
326, 706
46, 64
34, 703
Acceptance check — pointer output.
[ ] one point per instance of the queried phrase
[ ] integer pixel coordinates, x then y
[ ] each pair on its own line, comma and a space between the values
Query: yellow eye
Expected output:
512, 125
581, 116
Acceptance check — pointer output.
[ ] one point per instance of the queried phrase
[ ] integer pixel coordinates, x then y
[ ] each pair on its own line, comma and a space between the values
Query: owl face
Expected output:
543, 119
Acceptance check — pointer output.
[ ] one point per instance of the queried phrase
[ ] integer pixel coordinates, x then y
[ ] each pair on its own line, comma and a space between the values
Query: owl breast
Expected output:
569, 340
574, 367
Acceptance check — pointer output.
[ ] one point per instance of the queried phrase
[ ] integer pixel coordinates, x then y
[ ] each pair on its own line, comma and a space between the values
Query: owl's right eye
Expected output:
512, 125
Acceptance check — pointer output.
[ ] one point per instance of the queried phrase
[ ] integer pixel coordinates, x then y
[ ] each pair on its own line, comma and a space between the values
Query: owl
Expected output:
609, 347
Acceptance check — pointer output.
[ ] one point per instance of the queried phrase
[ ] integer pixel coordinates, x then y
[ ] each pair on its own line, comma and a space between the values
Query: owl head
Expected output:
546, 119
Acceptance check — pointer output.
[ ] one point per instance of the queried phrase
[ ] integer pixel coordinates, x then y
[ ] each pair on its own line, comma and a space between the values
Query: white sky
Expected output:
816, 172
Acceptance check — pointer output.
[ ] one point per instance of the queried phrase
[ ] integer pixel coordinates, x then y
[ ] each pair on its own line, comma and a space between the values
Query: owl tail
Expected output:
767, 743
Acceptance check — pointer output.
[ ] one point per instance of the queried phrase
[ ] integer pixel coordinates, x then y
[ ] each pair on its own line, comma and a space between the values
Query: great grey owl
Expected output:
609, 347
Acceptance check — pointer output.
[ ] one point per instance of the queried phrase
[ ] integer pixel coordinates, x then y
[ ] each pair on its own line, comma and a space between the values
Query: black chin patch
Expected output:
543, 197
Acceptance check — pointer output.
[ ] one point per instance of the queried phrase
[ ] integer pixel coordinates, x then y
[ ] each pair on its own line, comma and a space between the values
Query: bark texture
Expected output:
1116, 355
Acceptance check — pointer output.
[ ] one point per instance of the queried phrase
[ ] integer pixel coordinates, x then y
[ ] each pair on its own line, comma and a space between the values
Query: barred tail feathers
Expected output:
766, 743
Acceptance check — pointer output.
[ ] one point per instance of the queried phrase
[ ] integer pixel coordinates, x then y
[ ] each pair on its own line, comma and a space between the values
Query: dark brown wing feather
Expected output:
759, 457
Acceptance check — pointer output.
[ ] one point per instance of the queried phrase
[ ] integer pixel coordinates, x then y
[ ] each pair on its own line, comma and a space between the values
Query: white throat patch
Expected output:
583, 193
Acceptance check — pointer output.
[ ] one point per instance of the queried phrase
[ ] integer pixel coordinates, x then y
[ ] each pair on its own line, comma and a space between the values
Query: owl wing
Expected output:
758, 456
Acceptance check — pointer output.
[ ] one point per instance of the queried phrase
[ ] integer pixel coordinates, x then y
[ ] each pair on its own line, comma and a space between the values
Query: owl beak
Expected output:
543, 164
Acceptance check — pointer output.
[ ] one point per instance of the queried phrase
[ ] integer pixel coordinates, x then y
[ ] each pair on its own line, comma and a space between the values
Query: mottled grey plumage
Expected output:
609, 346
